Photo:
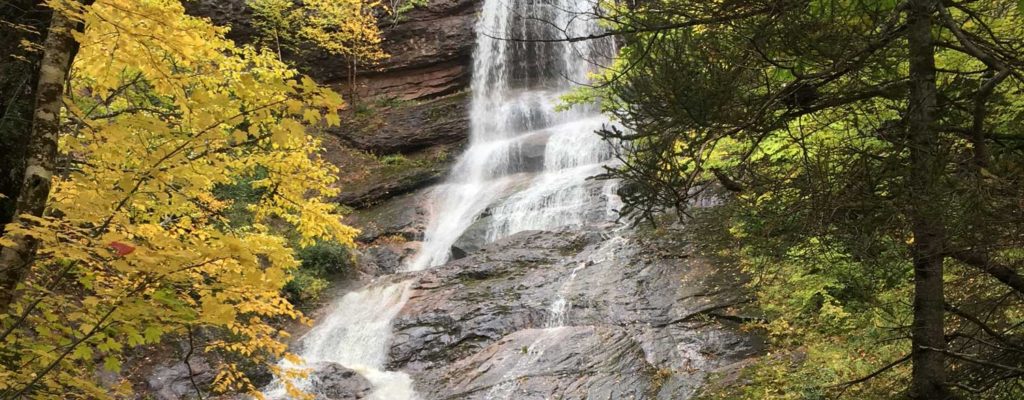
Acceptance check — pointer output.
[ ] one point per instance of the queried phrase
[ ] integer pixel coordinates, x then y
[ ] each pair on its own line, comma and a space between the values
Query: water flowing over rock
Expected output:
570, 314
355, 336
517, 136
332, 381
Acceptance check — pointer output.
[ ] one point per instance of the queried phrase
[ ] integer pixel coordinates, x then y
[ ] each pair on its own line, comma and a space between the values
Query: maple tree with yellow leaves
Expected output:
130, 245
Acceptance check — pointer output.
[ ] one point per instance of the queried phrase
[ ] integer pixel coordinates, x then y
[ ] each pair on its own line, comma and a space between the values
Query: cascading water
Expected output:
356, 335
557, 316
527, 163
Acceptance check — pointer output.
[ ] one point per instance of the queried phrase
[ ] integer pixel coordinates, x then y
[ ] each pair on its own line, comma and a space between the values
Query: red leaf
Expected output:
121, 248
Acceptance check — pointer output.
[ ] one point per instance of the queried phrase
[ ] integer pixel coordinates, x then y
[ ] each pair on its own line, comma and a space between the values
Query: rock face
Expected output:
413, 103
572, 315
404, 216
408, 126
331, 381
430, 48
173, 382
574, 362
590, 313
390, 232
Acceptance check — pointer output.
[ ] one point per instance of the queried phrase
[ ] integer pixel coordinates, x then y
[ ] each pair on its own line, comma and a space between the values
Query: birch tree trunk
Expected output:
58, 48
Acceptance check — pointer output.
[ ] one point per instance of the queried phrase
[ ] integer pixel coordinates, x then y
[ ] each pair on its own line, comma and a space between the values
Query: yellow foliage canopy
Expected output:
341, 27
161, 110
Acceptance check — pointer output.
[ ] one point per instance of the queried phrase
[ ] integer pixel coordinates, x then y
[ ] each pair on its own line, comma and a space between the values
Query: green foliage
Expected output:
240, 195
827, 318
398, 8
801, 110
319, 263
326, 259
394, 160
305, 287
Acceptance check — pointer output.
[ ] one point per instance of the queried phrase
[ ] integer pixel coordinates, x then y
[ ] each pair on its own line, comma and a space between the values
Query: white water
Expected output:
356, 334
516, 87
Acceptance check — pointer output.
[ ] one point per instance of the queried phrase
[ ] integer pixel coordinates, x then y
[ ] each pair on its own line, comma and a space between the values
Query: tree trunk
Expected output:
41, 153
927, 336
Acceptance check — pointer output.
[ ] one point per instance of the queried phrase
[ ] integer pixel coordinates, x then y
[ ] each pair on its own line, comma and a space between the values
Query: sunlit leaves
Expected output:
343, 27
162, 109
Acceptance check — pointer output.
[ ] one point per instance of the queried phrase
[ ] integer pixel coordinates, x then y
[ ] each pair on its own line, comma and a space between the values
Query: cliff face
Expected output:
430, 48
593, 312
431, 51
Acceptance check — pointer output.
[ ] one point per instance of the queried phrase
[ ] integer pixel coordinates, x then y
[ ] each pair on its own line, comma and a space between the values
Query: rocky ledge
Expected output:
571, 315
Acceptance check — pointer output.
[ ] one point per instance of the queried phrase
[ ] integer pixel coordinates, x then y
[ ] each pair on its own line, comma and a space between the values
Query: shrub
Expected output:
325, 259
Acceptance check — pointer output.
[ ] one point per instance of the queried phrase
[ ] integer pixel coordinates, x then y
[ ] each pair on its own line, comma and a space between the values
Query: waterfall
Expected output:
527, 165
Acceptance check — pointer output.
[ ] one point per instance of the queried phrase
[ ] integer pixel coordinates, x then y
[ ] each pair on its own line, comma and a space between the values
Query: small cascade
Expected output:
557, 319
527, 166
356, 335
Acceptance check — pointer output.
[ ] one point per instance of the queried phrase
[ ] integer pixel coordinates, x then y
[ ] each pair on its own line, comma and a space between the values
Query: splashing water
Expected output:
356, 335
526, 163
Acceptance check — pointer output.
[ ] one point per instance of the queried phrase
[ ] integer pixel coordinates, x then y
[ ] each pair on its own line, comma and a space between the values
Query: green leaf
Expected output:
152, 333
112, 364
82, 352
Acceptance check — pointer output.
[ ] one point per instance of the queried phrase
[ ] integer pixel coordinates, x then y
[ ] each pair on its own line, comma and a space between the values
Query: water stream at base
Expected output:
527, 167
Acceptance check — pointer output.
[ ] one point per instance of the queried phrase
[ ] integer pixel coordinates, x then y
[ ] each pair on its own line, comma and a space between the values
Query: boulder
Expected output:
173, 381
472, 240
332, 381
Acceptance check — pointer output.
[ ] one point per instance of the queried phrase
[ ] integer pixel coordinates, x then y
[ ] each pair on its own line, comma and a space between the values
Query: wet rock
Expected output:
332, 381
405, 127
473, 238
576, 362
381, 259
404, 216
457, 253
366, 180
173, 381
528, 155
402, 182
635, 322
